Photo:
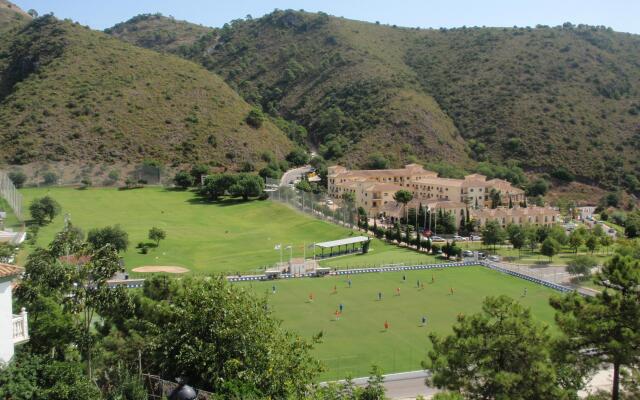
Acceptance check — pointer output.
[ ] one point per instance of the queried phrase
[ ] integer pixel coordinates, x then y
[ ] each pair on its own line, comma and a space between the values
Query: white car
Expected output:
437, 239
329, 202
476, 238
494, 258
458, 237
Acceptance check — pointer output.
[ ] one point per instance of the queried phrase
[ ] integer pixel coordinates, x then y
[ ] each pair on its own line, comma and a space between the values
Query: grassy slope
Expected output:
92, 97
228, 237
358, 340
11, 16
158, 32
563, 96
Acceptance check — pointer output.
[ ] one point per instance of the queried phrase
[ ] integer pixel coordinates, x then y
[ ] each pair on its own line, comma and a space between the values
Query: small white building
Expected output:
586, 212
13, 328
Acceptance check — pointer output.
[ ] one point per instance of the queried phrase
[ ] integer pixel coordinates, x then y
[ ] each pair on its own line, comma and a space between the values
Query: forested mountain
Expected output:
68, 93
562, 100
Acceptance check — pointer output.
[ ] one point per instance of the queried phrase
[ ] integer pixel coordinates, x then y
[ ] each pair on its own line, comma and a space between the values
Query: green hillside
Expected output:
11, 16
549, 97
70, 93
330, 77
155, 31
544, 97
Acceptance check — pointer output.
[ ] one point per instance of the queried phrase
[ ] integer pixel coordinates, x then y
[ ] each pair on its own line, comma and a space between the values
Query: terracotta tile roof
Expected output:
384, 187
409, 170
9, 270
475, 179
441, 182
515, 212
504, 186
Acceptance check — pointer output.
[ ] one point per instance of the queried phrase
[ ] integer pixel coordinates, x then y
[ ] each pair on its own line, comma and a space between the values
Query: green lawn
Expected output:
223, 237
358, 340
12, 221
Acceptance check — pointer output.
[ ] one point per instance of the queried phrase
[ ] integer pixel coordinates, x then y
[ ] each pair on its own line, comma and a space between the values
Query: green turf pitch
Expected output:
225, 237
358, 339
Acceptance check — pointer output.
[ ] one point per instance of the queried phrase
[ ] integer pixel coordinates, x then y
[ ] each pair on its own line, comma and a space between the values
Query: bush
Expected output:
198, 171
18, 178
581, 266
255, 118
44, 208
268, 172
246, 186
561, 173
109, 235
183, 180
618, 218
539, 187
298, 157
49, 178
611, 200
377, 161
247, 166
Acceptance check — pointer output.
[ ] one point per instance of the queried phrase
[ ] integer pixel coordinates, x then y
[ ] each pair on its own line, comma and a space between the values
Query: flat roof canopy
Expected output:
342, 242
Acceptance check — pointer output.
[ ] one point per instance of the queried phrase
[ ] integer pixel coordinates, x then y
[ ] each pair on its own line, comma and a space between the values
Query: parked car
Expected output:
494, 258
458, 237
481, 255
476, 238
467, 253
437, 239
329, 202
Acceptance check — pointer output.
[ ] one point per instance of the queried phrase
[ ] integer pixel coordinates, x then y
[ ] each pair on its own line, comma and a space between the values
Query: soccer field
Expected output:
358, 339
226, 237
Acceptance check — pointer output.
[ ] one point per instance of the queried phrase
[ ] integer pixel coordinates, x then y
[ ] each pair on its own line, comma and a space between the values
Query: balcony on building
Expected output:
20, 327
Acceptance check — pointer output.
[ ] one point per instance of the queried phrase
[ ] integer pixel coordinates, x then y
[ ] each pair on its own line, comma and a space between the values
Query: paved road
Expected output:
294, 174
404, 385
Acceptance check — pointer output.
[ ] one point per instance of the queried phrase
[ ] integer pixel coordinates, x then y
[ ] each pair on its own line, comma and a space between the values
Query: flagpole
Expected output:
304, 251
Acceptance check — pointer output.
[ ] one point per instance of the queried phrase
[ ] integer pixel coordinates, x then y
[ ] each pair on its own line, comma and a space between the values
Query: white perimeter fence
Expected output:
9, 192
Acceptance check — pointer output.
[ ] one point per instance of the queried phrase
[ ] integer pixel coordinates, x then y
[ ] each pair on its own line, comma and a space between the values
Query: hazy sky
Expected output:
621, 15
